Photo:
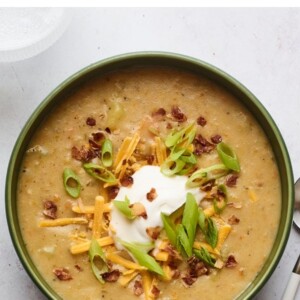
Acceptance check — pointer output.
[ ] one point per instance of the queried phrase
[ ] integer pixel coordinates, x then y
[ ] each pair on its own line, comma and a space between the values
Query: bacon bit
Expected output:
189, 280
155, 291
150, 159
233, 220
175, 274
84, 154
173, 253
153, 232
160, 113
152, 194
138, 209
177, 114
62, 274
201, 121
197, 267
216, 139
231, 180
98, 136
50, 209
107, 129
172, 264
138, 288
169, 126
126, 181
202, 145
78, 268
94, 145
111, 276
208, 186
90, 121
231, 262
112, 192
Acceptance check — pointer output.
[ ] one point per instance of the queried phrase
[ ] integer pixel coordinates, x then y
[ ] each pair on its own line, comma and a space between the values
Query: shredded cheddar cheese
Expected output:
127, 277
62, 222
160, 151
84, 247
98, 213
147, 285
125, 152
222, 235
115, 258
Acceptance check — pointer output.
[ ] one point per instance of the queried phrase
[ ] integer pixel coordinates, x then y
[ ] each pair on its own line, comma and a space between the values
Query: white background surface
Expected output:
259, 47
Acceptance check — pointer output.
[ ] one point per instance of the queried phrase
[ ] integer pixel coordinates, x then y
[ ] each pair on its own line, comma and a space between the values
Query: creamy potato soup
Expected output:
149, 183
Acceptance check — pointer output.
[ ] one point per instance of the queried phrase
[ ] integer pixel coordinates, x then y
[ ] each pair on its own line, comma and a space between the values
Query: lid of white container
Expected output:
25, 32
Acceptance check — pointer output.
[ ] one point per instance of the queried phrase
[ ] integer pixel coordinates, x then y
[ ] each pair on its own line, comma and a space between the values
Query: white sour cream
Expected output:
171, 194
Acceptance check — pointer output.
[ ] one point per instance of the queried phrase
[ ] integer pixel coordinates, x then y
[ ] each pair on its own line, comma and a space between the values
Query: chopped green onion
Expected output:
143, 258
185, 134
223, 191
211, 235
190, 158
100, 173
170, 228
176, 153
201, 220
96, 252
183, 242
71, 183
190, 217
208, 227
123, 207
202, 176
186, 170
107, 150
170, 167
228, 157
204, 255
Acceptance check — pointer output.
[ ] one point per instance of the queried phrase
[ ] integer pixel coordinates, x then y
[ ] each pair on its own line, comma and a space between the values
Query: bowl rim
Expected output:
199, 64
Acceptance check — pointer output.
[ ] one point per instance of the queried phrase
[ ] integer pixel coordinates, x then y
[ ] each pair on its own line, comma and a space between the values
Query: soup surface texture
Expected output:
152, 102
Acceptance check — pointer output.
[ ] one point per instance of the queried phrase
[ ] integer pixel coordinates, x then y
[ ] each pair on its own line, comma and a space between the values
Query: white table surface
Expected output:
259, 47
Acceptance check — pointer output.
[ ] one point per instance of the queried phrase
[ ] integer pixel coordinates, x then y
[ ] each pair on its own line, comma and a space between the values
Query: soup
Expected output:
149, 182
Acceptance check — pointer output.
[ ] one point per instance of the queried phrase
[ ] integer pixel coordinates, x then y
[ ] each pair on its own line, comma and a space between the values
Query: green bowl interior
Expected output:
161, 59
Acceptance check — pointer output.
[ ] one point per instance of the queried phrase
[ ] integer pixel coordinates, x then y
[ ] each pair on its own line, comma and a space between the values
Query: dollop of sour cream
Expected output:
171, 195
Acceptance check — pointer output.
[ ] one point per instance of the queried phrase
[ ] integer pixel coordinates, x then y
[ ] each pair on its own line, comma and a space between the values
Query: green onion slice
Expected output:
190, 217
202, 176
176, 153
186, 170
100, 173
228, 157
98, 260
190, 158
183, 242
71, 183
123, 207
201, 220
186, 134
170, 167
107, 153
211, 235
143, 258
170, 228
204, 255
220, 205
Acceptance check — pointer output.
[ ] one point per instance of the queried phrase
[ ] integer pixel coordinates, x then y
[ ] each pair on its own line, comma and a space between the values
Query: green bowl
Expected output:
161, 59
